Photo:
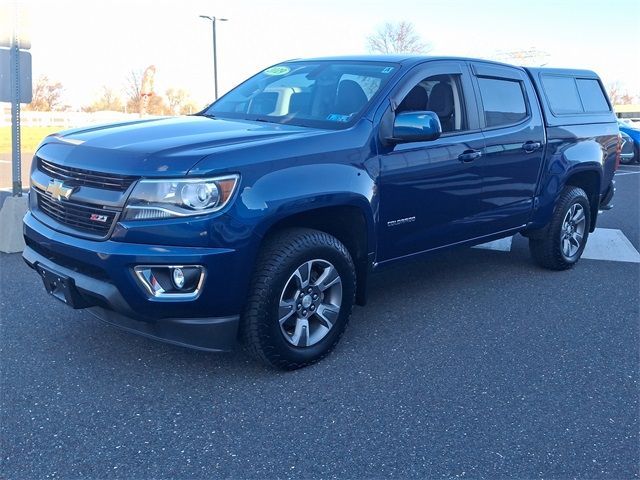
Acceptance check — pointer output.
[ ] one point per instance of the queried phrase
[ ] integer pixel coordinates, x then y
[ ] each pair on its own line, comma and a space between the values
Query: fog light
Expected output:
178, 278
171, 281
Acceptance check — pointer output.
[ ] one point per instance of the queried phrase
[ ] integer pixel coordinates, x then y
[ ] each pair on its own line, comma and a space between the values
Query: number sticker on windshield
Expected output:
279, 70
335, 117
387, 70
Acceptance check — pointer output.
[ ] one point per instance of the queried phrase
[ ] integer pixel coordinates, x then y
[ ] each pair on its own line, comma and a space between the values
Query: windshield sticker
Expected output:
279, 70
387, 70
336, 117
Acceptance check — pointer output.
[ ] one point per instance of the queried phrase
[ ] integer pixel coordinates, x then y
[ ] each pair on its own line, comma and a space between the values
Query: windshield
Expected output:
320, 94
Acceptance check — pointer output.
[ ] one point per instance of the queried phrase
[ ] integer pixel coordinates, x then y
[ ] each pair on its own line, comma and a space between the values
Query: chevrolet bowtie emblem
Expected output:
58, 190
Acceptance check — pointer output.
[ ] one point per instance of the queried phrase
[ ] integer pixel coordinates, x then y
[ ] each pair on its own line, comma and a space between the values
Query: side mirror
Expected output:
416, 127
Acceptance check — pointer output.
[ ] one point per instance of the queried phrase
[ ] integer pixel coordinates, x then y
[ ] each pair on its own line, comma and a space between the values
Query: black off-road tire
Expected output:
546, 248
281, 255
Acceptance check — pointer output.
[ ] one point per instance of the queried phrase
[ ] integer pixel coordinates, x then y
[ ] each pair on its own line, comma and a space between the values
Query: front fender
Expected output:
297, 189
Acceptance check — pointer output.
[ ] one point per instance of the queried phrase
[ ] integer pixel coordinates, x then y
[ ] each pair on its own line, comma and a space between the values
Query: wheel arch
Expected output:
588, 180
350, 223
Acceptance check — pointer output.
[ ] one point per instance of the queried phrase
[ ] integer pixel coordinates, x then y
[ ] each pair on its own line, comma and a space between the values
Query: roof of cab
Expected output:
571, 72
411, 60
393, 58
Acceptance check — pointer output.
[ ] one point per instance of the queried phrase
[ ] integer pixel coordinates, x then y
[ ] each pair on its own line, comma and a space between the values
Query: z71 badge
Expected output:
98, 218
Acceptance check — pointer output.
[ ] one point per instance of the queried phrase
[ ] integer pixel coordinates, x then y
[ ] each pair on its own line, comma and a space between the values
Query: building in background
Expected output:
630, 111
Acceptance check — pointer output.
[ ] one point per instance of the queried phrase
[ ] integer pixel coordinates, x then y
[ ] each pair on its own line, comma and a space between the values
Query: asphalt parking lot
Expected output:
473, 364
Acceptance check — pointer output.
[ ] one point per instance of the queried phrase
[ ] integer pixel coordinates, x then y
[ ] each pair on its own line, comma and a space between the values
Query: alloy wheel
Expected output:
310, 303
573, 230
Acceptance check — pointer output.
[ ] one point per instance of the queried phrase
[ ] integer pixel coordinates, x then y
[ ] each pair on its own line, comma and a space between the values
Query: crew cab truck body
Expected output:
261, 218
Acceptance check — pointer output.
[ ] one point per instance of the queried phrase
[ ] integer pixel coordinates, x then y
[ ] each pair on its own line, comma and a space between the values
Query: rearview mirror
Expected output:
416, 127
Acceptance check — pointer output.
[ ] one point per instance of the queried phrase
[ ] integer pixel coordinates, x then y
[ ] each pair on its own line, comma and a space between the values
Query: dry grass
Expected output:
30, 137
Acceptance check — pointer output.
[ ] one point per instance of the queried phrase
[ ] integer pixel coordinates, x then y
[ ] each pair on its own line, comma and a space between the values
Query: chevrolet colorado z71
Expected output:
260, 218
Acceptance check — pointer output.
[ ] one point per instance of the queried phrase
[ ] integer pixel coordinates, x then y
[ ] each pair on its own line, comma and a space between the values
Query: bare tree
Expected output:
46, 95
189, 108
618, 95
157, 106
177, 98
133, 91
108, 101
398, 37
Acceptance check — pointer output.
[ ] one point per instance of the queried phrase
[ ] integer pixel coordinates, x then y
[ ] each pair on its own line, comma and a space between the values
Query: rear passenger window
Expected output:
562, 94
503, 101
574, 96
592, 96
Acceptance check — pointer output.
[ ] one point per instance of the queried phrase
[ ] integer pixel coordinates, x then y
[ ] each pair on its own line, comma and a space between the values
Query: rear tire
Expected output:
560, 245
301, 299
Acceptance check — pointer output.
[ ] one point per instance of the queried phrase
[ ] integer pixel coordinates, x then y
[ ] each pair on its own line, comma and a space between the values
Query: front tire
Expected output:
301, 298
561, 244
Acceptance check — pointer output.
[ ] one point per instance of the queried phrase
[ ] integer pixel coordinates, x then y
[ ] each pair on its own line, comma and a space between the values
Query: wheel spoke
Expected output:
303, 274
300, 337
328, 278
287, 308
574, 242
578, 216
566, 247
328, 314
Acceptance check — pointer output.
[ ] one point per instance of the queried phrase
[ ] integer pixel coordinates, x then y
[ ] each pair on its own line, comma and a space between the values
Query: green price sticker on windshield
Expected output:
278, 70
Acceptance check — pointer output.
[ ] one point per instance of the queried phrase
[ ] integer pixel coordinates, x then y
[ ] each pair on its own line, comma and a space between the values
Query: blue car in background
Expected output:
633, 134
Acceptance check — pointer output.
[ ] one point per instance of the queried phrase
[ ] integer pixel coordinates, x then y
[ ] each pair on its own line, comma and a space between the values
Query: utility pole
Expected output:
16, 88
15, 115
215, 56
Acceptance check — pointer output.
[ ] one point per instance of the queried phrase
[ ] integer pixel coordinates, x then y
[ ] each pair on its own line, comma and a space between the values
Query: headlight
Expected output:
154, 199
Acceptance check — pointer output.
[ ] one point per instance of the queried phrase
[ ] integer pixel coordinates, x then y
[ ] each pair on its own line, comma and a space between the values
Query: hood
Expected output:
166, 146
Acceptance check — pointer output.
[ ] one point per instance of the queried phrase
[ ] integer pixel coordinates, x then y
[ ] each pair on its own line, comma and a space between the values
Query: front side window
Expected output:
323, 94
441, 94
503, 101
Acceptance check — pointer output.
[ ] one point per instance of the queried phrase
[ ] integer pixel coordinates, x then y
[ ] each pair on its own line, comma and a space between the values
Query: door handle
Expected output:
469, 155
530, 146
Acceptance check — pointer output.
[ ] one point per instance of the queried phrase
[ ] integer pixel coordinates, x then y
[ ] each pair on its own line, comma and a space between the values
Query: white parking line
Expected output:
610, 244
502, 245
604, 244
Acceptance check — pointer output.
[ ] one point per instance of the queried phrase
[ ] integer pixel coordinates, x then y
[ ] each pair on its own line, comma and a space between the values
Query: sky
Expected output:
86, 44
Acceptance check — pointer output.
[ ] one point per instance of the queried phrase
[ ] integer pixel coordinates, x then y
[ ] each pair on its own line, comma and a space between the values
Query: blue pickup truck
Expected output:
260, 219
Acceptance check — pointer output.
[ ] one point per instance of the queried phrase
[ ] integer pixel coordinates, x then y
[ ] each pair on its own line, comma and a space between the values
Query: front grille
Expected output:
79, 177
79, 216
67, 261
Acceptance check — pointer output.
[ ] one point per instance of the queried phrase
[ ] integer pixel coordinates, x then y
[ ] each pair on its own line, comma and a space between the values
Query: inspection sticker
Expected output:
277, 70
336, 117
387, 70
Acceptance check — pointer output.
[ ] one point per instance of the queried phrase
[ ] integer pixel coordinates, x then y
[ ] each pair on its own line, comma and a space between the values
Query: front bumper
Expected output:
100, 277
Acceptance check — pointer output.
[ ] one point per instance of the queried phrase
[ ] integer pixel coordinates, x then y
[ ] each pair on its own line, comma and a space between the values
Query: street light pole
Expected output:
215, 56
